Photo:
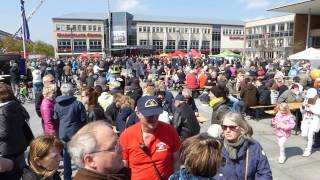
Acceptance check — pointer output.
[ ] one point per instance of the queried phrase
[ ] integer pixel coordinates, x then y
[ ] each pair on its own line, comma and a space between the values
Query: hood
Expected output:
65, 99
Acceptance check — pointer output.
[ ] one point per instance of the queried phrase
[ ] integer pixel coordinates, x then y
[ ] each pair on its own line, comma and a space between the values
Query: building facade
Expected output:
75, 34
270, 38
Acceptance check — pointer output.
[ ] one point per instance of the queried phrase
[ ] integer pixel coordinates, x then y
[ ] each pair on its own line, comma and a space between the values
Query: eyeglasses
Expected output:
232, 128
115, 148
52, 81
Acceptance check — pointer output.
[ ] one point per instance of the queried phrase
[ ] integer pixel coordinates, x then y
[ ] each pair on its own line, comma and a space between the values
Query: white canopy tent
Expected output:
311, 54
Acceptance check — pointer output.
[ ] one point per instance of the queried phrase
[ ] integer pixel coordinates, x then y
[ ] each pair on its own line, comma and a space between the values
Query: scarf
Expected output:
215, 101
232, 148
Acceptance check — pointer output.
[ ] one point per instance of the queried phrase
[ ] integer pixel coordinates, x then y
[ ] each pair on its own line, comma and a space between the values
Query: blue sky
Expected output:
41, 24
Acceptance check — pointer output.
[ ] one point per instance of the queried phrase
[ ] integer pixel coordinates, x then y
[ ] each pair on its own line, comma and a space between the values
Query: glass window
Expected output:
153, 29
84, 27
197, 31
161, 29
148, 29
95, 45
171, 45
144, 29
58, 27
183, 44
99, 28
157, 44
194, 44
79, 28
74, 27
185, 30
143, 42
68, 27
94, 28
173, 29
90, 27
140, 29
158, 29
64, 45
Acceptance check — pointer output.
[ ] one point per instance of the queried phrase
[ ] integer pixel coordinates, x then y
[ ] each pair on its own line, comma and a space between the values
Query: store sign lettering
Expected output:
236, 38
78, 35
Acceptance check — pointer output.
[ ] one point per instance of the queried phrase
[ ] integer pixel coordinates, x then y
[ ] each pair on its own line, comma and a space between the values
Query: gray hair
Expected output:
67, 89
85, 142
186, 92
239, 120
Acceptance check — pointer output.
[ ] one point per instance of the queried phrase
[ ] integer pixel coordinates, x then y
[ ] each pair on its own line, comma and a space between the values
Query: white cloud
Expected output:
253, 19
254, 4
130, 5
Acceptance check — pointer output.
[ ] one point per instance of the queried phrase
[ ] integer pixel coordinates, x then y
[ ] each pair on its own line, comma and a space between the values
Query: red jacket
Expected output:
192, 81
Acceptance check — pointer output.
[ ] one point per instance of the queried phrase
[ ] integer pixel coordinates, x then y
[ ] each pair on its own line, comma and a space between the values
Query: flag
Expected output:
25, 28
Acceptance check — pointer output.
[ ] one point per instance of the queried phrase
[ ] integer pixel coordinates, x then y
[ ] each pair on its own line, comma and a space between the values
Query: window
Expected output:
80, 45
158, 29
157, 44
171, 45
74, 27
140, 29
79, 28
95, 45
94, 28
281, 27
90, 27
174, 29
99, 28
197, 31
209, 31
194, 44
153, 29
185, 30
161, 29
143, 42
169, 30
84, 27
183, 45
205, 45
144, 29
148, 29
64, 45
68, 28
273, 28
58, 27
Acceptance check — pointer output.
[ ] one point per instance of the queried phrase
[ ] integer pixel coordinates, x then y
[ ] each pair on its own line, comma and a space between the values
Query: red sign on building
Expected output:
236, 37
78, 35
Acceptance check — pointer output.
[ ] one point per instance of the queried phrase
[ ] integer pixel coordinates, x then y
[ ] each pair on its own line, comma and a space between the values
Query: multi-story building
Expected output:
79, 33
270, 38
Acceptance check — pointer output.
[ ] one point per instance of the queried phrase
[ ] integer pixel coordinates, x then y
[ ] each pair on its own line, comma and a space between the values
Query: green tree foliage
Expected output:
9, 44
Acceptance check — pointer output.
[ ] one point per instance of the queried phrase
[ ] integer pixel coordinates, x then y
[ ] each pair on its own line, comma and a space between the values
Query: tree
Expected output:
40, 47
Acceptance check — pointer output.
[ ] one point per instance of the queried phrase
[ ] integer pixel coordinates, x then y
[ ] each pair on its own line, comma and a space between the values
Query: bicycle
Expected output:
24, 93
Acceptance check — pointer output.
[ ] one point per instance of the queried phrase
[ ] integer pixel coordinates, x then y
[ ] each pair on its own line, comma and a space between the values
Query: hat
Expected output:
180, 97
149, 106
215, 131
311, 93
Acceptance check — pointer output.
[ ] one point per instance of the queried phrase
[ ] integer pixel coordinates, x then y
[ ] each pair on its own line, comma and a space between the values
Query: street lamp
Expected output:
109, 30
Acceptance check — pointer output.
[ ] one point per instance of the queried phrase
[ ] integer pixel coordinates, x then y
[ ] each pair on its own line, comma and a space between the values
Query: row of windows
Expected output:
171, 44
173, 29
233, 32
270, 35
79, 45
78, 28
279, 42
278, 27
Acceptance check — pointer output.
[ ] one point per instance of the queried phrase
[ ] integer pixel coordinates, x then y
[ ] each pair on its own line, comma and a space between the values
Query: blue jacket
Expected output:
122, 117
258, 167
71, 115
184, 174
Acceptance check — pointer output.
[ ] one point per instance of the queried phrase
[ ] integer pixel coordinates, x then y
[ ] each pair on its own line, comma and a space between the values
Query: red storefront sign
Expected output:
236, 37
78, 35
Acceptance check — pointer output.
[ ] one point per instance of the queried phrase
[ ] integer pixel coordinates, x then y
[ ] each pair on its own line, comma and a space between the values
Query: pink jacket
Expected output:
51, 126
283, 124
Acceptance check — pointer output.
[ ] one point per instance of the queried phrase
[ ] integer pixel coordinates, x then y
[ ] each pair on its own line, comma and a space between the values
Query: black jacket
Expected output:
218, 111
264, 95
29, 174
95, 114
185, 121
13, 117
111, 113
135, 92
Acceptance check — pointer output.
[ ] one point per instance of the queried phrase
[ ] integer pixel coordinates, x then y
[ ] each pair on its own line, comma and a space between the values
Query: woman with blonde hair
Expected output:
127, 108
44, 159
245, 158
51, 126
201, 157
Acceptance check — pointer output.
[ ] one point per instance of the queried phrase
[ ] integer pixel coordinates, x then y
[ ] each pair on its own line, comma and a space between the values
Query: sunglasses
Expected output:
232, 128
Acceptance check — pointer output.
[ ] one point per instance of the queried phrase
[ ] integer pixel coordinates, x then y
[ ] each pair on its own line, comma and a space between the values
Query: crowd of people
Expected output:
136, 118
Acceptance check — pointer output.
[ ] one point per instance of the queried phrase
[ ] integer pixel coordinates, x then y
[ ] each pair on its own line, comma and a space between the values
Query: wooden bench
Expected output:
260, 108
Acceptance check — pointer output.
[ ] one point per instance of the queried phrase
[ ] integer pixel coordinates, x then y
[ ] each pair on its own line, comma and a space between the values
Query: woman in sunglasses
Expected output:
245, 158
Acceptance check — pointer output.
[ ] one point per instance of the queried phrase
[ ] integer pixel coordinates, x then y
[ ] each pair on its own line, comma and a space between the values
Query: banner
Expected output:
119, 38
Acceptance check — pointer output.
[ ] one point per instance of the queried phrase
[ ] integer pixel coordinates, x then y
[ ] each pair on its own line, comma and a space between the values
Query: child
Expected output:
284, 122
310, 118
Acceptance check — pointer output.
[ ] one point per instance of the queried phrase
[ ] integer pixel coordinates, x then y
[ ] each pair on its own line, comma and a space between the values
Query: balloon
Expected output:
315, 74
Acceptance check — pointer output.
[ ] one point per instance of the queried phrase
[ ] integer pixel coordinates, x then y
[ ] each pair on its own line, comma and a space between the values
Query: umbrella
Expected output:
195, 53
164, 55
228, 53
308, 54
84, 55
97, 55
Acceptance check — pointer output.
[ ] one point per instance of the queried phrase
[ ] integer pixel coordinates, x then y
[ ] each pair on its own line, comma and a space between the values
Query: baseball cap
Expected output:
311, 93
149, 106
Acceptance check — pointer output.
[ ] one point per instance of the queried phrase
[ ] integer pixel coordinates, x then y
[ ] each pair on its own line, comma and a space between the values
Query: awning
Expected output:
308, 54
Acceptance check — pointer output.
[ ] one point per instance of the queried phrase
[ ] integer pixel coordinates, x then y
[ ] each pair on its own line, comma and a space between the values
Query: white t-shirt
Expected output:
36, 76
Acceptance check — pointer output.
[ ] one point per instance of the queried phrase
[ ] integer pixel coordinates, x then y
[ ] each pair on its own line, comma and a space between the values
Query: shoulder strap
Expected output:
247, 163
